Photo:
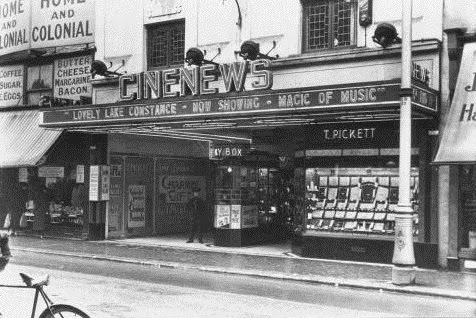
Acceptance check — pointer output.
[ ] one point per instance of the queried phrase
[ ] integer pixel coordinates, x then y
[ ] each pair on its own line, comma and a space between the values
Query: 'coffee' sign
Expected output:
11, 85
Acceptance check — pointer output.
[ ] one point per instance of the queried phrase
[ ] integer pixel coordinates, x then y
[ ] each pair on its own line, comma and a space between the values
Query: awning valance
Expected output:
458, 142
22, 141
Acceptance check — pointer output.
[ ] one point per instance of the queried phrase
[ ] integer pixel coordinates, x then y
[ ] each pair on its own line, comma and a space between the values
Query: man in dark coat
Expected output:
40, 195
196, 208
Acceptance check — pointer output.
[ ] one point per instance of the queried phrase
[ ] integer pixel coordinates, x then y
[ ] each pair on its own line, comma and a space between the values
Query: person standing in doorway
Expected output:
41, 202
196, 208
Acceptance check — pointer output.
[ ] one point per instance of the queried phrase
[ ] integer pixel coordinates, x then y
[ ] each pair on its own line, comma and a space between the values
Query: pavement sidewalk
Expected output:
272, 261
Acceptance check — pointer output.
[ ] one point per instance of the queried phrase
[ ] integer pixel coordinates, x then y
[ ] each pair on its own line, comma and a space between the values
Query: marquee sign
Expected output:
238, 104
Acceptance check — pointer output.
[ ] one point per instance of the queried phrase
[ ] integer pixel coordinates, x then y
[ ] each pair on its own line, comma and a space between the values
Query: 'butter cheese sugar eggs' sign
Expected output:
14, 25
61, 22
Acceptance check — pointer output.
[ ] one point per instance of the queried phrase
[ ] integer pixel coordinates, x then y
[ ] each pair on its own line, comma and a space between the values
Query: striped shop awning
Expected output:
22, 141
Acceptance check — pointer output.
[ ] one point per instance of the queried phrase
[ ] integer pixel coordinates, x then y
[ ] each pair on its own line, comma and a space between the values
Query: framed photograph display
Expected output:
340, 214
353, 199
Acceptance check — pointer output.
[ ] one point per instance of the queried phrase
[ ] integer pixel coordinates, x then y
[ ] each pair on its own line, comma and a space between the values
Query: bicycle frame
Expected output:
38, 291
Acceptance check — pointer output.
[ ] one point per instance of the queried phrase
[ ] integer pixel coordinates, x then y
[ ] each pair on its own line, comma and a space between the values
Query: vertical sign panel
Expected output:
139, 192
116, 197
11, 85
72, 78
94, 183
136, 205
59, 23
105, 183
235, 216
14, 25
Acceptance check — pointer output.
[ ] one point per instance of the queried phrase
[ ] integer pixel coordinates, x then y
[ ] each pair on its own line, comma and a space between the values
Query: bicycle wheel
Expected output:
63, 311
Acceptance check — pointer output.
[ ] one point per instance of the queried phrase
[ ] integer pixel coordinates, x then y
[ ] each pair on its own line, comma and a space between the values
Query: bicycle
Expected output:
52, 310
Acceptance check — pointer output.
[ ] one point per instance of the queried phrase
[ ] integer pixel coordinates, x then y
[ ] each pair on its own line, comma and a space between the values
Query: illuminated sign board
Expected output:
239, 104
195, 81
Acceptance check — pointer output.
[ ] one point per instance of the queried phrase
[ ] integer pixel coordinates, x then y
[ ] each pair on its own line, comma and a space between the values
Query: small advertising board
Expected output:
99, 183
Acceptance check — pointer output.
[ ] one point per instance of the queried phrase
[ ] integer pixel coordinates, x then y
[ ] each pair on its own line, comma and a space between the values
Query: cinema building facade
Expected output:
302, 148
289, 126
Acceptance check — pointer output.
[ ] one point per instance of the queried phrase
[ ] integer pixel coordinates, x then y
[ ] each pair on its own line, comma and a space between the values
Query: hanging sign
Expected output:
73, 78
60, 23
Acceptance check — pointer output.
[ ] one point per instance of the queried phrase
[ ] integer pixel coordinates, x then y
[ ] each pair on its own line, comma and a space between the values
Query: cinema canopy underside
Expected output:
245, 114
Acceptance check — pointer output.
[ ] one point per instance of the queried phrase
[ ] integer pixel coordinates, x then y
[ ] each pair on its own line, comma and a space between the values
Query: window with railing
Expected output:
166, 44
329, 24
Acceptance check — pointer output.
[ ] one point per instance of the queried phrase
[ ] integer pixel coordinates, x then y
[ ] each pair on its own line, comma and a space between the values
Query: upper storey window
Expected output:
329, 24
166, 44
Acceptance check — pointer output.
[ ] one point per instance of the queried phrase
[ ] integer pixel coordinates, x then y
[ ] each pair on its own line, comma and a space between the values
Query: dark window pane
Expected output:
166, 44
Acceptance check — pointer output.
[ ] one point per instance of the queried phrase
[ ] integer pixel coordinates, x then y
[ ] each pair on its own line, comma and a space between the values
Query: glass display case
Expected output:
253, 204
355, 200
245, 197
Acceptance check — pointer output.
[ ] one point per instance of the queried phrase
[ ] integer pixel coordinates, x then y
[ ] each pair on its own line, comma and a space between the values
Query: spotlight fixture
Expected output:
195, 56
249, 50
385, 34
99, 68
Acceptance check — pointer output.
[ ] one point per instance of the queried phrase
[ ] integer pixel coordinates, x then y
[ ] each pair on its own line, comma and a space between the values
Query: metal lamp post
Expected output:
403, 272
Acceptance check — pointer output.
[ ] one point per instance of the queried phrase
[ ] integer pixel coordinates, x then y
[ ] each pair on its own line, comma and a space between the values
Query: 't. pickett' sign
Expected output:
195, 80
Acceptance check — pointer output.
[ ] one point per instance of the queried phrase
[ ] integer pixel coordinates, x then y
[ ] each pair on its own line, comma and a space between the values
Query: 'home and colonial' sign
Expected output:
31, 24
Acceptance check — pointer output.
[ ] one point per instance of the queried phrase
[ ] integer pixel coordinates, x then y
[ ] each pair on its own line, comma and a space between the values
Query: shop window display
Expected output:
245, 197
55, 200
255, 197
68, 200
355, 200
